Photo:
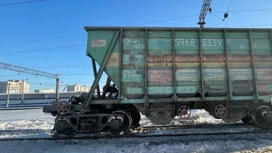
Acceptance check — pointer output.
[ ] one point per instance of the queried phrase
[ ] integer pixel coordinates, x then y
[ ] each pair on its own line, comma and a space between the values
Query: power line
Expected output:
50, 38
179, 17
23, 2
62, 66
256, 25
65, 74
230, 5
193, 15
219, 24
46, 49
252, 10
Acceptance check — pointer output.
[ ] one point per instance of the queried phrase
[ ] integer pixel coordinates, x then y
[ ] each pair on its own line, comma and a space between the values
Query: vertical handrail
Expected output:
146, 104
120, 65
201, 65
227, 65
174, 64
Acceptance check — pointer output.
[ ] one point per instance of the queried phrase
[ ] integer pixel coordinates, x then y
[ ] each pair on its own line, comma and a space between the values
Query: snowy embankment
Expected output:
35, 119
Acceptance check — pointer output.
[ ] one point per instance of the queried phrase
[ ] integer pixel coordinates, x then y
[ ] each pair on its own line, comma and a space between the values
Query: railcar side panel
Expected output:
197, 64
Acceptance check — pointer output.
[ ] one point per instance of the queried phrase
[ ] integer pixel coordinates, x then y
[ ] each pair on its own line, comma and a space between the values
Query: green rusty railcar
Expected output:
164, 72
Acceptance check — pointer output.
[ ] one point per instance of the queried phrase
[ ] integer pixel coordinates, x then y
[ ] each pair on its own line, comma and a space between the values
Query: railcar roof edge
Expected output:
166, 28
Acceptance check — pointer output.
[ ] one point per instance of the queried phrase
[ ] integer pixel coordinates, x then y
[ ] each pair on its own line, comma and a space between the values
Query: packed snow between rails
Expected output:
41, 124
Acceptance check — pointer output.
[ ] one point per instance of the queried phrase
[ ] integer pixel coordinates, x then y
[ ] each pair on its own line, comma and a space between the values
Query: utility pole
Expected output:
205, 8
57, 90
34, 72
8, 88
23, 90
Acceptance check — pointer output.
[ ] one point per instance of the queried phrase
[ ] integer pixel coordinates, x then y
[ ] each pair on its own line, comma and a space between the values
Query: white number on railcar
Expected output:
184, 42
211, 42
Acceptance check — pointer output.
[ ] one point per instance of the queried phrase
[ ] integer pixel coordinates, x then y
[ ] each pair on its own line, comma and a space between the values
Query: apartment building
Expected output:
14, 86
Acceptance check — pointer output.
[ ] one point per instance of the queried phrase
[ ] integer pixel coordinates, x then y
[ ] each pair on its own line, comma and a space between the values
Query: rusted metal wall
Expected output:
186, 64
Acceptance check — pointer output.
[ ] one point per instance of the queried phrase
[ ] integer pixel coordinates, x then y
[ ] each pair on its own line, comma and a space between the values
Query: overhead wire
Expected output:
192, 15
46, 49
256, 10
23, 2
226, 14
38, 40
175, 18
256, 25
61, 66
229, 5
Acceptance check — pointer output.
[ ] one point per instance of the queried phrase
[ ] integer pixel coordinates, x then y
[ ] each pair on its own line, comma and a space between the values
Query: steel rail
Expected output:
189, 126
141, 136
24, 130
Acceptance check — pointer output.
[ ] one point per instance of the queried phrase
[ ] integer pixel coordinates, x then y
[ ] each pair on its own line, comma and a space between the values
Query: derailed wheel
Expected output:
120, 123
64, 128
262, 117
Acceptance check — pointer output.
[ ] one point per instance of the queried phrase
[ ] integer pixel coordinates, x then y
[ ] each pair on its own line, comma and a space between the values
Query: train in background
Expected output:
165, 72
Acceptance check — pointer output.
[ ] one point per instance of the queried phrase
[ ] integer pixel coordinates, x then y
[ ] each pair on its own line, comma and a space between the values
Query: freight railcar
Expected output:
165, 72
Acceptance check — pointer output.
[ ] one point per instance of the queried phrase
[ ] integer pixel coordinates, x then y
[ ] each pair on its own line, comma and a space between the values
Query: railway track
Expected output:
227, 131
24, 131
190, 126
148, 128
140, 136
21, 108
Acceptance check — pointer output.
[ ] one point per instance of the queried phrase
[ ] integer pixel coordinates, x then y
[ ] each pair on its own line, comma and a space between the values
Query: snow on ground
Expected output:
42, 124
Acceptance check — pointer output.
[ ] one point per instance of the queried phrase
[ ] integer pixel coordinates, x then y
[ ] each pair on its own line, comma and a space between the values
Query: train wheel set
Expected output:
120, 121
117, 122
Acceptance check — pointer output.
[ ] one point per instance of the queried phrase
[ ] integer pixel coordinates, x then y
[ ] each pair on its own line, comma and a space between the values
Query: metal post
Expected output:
201, 66
23, 90
120, 66
227, 65
174, 64
57, 90
146, 104
8, 86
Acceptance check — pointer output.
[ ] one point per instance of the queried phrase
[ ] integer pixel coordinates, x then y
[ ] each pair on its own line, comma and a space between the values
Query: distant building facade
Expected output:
14, 86
77, 88
85, 88
44, 91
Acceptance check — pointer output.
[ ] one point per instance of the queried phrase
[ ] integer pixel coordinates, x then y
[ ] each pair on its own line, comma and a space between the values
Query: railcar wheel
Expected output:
184, 111
136, 117
246, 119
220, 111
121, 123
64, 128
63, 107
261, 119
